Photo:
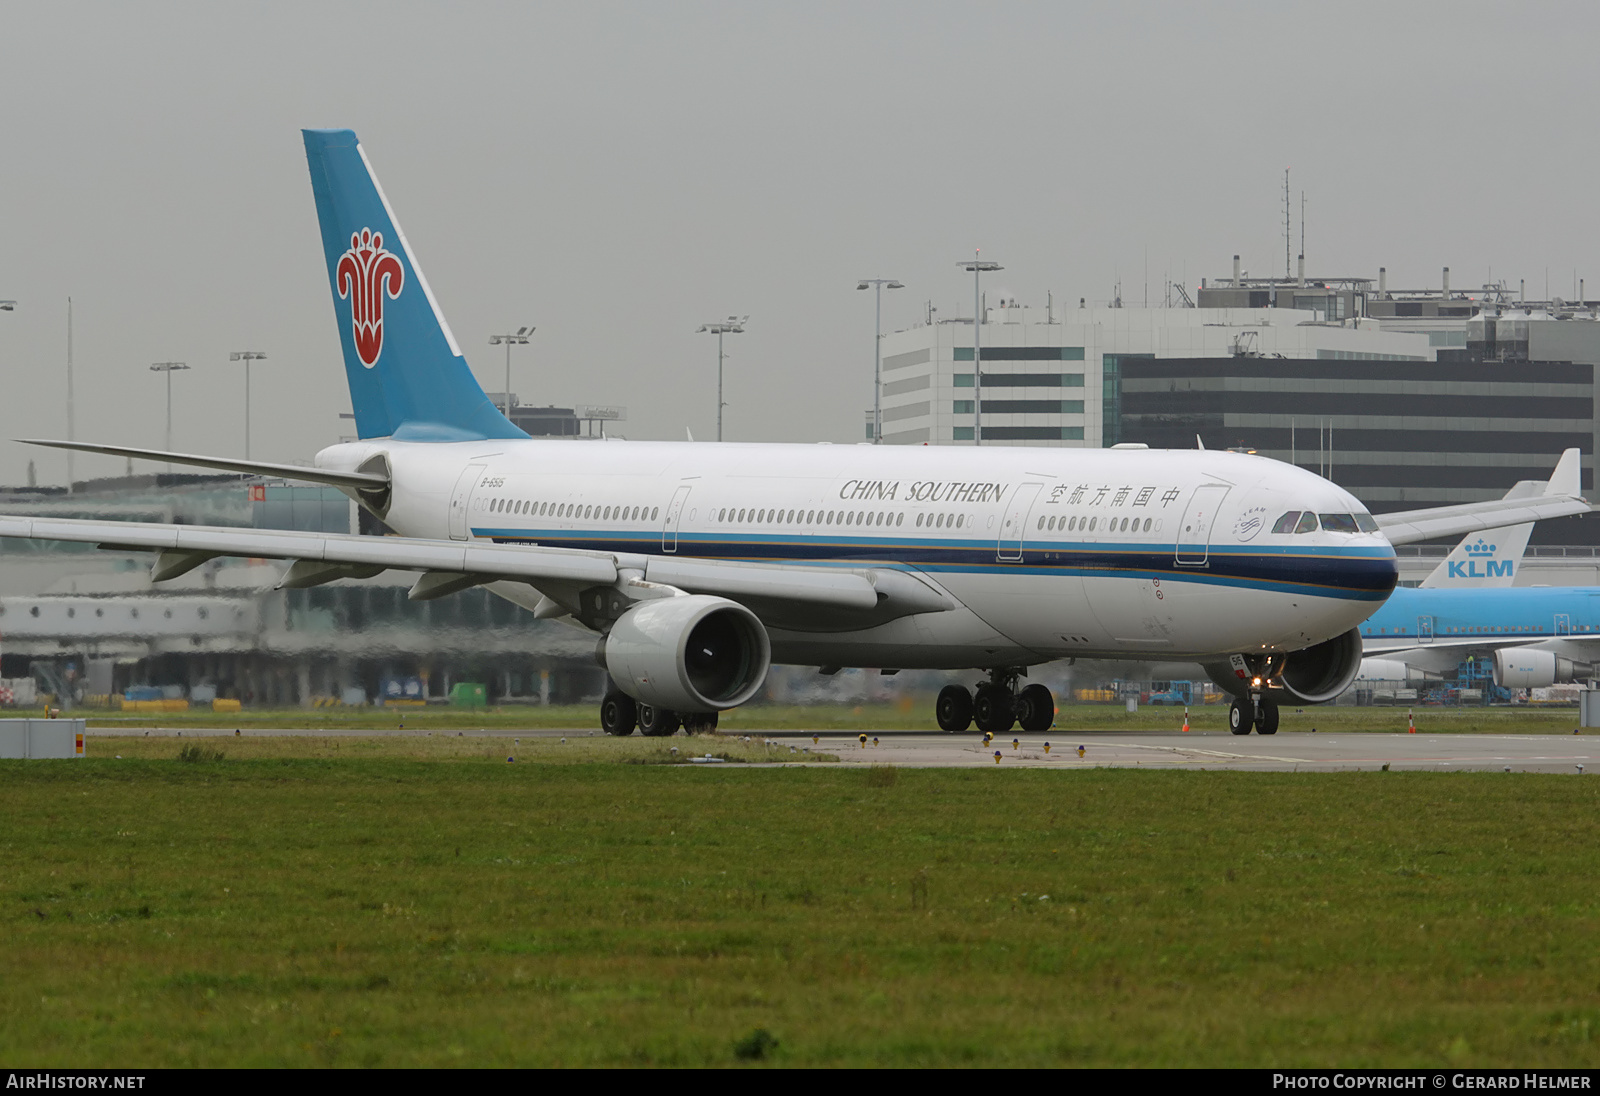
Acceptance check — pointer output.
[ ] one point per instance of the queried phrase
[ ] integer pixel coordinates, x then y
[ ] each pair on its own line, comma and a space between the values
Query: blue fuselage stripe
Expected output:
1361, 574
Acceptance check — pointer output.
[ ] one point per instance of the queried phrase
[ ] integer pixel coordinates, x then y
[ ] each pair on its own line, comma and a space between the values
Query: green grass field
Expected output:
914, 714
331, 904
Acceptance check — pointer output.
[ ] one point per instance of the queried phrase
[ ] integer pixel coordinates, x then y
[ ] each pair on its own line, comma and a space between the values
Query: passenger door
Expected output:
673, 518
1014, 526
1194, 531
461, 498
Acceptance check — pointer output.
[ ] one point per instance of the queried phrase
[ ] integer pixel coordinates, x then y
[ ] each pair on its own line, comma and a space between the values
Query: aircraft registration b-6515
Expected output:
700, 564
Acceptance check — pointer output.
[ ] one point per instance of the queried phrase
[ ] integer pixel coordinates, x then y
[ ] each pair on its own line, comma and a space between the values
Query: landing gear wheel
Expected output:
618, 713
1267, 717
1241, 715
953, 709
699, 722
1036, 708
657, 722
994, 710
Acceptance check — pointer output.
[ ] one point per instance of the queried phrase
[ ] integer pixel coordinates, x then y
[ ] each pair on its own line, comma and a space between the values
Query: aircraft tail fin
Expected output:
1482, 560
408, 378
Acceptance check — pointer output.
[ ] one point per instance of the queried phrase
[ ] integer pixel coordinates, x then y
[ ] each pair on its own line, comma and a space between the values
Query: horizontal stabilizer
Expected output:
300, 472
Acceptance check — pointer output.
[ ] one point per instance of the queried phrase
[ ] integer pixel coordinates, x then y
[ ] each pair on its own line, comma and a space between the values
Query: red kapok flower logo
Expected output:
365, 274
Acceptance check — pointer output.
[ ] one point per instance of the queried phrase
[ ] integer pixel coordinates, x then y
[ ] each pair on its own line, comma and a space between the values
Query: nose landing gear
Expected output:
1260, 712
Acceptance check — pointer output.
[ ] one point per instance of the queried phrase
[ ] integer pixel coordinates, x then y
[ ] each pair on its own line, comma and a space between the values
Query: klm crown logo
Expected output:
1469, 568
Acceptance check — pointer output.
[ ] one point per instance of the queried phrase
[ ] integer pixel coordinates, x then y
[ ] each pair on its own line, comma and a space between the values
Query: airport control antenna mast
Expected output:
519, 339
246, 356
880, 284
977, 267
733, 325
168, 368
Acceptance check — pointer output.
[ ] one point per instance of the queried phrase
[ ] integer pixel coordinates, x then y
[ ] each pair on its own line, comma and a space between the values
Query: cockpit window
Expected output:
1285, 524
1338, 523
1365, 523
1308, 523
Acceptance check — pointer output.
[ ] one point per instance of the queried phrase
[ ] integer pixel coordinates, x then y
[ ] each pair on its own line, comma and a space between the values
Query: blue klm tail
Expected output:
407, 376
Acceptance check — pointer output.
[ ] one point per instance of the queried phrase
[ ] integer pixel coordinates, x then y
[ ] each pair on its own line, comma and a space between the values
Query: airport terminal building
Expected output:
1407, 400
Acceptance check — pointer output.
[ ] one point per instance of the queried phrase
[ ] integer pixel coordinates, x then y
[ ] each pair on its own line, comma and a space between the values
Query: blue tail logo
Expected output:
408, 379
365, 274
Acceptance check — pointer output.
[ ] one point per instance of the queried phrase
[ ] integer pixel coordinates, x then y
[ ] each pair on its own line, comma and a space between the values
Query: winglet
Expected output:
1198, 444
1566, 479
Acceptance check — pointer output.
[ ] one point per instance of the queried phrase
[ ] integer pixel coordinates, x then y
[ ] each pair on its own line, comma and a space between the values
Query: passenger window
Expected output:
1041, 523
1338, 523
654, 510
1308, 523
900, 518
1285, 524
1147, 525
1092, 522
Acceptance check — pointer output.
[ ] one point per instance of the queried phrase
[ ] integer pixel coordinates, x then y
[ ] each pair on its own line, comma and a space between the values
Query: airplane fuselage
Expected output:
1418, 617
1046, 553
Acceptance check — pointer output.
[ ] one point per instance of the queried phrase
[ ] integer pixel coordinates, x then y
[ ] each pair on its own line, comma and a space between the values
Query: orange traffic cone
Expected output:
1411, 720
1186, 719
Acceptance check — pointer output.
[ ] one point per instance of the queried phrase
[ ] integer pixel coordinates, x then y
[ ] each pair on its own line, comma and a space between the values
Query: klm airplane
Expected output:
1538, 635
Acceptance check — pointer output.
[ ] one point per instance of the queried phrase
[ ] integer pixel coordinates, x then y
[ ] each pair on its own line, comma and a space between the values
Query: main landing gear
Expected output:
996, 707
1262, 714
620, 714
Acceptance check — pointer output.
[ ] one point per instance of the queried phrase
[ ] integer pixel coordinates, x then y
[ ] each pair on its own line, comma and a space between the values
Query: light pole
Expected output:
519, 339
246, 356
879, 284
168, 368
977, 267
733, 325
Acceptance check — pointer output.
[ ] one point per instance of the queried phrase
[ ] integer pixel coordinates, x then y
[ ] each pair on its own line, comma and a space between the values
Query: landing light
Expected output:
1255, 681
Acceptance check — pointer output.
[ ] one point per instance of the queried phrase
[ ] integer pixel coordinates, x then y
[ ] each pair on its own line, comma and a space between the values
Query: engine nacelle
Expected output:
1388, 669
1520, 668
690, 654
1313, 675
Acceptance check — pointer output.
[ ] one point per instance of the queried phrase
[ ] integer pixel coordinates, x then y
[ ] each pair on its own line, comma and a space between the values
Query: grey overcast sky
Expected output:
620, 173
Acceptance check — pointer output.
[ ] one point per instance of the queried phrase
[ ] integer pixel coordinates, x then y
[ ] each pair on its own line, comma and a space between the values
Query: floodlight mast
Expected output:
879, 284
977, 267
519, 339
246, 356
168, 368
733, 325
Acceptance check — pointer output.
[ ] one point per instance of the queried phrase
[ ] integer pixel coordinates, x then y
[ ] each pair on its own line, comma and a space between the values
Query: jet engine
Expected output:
688, 654
1521, 668
1388, 669
1313, 675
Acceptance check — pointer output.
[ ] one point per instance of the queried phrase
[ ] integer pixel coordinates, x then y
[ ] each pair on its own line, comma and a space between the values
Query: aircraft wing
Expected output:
1561, 498
449, 565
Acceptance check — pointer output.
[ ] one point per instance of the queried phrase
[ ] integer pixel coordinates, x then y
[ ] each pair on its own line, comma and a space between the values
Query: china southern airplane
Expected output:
698, 565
